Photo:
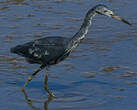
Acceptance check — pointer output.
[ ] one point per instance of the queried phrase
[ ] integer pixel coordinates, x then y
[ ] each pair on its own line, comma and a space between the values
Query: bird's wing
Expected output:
44, 50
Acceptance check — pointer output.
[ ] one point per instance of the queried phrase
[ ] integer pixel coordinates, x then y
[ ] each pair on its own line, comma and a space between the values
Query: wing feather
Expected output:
47, 50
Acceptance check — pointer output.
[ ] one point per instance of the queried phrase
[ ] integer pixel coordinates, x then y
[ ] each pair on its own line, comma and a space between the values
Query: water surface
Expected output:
101, 74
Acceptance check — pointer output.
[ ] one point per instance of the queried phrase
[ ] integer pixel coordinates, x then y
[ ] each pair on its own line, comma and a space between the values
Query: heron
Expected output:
51, 50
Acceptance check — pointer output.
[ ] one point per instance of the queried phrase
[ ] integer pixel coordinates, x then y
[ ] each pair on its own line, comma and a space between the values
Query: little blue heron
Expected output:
52, 50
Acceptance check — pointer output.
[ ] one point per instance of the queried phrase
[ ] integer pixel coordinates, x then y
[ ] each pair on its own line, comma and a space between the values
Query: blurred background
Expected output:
101, 74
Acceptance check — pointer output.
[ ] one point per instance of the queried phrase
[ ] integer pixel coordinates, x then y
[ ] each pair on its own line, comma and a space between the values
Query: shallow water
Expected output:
100, 74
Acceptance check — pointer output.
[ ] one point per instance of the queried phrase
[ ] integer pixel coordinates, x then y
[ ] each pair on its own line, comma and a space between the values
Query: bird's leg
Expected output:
31, 76
50, 98
27, 98
45, 83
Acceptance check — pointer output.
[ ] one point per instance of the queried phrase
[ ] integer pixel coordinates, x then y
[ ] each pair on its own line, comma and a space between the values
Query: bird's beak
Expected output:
120, 19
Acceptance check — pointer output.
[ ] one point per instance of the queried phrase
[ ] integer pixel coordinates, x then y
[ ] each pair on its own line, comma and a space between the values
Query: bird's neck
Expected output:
83, 29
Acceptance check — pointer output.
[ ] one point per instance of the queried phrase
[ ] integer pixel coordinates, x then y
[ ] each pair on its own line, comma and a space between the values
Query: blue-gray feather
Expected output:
52, 50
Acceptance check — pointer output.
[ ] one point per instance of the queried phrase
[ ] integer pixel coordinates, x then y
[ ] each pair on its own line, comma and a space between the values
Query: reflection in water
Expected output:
50, 98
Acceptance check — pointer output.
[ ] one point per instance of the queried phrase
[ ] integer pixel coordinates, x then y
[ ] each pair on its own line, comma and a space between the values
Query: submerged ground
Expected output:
100, 75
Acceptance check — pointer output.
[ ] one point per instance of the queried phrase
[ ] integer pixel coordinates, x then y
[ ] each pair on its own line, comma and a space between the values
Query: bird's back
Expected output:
48, 50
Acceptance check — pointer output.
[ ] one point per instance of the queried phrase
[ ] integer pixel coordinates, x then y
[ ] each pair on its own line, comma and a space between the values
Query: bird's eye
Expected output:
105, 11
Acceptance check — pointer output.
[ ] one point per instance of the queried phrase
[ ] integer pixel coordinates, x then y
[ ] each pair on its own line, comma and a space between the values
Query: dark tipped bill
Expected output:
120, 19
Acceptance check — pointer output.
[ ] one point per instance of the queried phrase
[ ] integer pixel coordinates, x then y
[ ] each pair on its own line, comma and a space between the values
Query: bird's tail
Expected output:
16, 49
12, 50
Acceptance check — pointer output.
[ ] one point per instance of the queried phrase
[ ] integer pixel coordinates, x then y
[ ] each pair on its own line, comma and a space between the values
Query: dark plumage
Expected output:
51, 50
45, 51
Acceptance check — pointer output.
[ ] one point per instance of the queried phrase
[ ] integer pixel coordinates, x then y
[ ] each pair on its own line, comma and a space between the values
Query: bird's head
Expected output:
103, 10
